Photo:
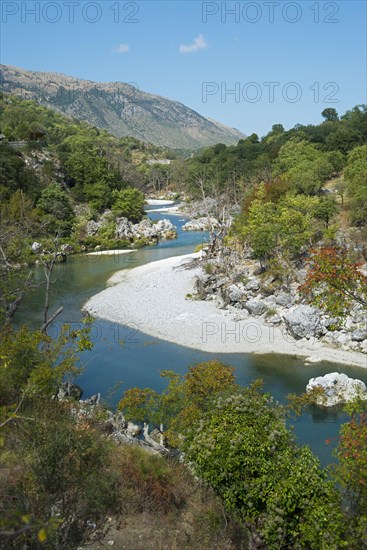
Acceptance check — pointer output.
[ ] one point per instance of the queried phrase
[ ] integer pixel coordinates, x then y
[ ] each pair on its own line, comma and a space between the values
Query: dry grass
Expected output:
165, 508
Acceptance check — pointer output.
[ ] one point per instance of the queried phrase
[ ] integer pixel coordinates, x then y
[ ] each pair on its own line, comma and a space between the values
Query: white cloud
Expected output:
198, 44
122, 48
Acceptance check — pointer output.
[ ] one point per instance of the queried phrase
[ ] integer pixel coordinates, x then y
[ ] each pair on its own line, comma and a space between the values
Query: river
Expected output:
123, 357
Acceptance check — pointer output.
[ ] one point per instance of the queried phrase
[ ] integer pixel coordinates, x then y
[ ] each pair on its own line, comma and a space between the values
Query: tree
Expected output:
258, 226
17, 224
128, 203
326, 209
296, 223
330, 114
356, 184
242, 448
350, 470
182, 402
352, 455
302, 165
334, 282
56, 207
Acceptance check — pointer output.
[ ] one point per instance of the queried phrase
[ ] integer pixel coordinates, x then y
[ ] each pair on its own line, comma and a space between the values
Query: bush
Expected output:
243, 449
57, 477
150, 483
128, 203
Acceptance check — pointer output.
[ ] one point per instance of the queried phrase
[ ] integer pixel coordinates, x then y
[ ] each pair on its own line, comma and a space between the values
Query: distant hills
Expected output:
119, 108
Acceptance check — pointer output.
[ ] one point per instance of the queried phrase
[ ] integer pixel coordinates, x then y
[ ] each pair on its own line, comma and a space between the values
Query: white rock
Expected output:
133, 429
200, 224
338, 388
313, 359
36, 247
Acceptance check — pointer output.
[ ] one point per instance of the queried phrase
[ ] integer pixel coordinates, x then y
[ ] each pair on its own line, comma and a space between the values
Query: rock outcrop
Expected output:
337, 388
128, 231
303, 321
201, 224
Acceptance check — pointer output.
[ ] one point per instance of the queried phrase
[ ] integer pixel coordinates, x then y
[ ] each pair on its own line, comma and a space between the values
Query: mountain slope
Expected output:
119, 108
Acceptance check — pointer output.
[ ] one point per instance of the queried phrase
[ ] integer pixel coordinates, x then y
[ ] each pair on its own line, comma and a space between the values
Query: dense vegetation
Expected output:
70, 172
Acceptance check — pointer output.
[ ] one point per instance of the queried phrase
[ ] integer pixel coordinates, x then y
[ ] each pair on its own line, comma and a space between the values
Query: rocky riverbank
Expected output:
144, 232
231, 314
250, 292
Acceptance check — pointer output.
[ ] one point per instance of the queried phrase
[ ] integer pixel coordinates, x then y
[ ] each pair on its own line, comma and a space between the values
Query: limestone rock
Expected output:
338, 388
200, 224
255, 307
235, 294
133, 429
36, 247
359, 335
303, 321
283, 299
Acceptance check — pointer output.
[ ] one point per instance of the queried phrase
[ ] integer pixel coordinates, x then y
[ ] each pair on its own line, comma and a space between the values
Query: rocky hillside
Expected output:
120, 108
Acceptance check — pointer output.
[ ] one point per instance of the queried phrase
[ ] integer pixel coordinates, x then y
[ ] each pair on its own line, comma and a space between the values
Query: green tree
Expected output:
182, 402
128, 203
302, 165
356, 184
296, 223
326, 209
259, 226
243, 449
56, 207
330, 114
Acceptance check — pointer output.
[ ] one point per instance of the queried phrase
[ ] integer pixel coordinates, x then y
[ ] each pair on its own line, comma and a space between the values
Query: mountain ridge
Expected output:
120, 108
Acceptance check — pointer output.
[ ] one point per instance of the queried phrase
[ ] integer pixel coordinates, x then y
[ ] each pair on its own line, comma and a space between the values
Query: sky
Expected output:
247, 64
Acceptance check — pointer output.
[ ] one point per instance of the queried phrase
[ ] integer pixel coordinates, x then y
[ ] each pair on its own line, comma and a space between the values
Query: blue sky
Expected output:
285, 61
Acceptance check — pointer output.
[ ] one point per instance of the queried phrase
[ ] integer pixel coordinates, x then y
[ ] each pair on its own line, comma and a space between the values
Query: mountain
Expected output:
119, 108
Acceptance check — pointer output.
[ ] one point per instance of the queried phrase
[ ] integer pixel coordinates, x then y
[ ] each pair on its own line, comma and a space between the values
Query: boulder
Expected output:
36, 247
337, 388
303, 321
252, 285
92, 228
255, 307
331, 322
283, 299
359, 335
94, 400
200, 224
234, 293
274, 320
313, 359
133, 429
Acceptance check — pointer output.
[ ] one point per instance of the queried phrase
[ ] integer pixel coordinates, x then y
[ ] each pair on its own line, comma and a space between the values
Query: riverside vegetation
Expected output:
231, 475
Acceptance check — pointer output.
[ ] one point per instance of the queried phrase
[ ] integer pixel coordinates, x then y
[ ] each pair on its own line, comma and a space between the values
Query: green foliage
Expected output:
326, 209
56, 473
15, 175
285, 228
243, 449
258, 227
88, 168
183, 400
352, 455
356, 184
303, 166
334, 282
56, 208
330, 114
128, 203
